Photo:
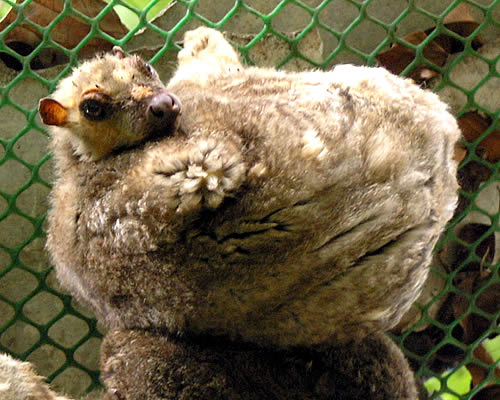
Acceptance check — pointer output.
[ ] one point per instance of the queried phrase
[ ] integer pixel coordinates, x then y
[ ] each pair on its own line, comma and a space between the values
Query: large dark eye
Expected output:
150, 69
147, 69
94, 110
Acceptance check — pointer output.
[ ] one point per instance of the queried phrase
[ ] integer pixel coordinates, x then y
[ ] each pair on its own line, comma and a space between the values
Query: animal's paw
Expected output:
200, 175
208, 46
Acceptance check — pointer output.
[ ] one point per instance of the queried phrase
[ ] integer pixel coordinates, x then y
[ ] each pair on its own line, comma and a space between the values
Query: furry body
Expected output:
288, 209
257, 246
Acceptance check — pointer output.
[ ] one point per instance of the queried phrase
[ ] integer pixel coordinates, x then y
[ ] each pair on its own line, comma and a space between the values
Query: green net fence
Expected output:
451, 336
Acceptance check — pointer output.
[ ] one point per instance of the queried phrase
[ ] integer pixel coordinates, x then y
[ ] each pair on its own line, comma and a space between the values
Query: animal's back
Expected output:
338, 185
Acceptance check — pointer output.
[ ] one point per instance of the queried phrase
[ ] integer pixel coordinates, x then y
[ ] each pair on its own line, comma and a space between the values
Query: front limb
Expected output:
206, 53
186, 177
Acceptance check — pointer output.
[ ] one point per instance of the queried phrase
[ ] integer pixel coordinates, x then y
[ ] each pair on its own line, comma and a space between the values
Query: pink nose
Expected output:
164, 105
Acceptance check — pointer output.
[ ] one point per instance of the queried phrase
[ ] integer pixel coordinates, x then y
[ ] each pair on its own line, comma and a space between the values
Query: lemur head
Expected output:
110, 102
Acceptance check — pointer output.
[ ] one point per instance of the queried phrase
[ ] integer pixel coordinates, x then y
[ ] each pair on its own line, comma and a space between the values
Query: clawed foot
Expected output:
201, 175
209, 47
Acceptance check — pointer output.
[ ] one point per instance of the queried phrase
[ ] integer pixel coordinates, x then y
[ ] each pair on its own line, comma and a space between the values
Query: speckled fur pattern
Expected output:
285, 210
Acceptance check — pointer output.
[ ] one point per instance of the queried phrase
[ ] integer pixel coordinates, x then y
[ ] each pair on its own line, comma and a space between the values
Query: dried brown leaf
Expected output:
488, 301
461, 13
473, 124
479, 373
461, 21
472, 174
470, 234
459, 152
398, 57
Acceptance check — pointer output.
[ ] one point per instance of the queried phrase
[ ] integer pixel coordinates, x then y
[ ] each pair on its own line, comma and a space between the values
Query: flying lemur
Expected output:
291, 214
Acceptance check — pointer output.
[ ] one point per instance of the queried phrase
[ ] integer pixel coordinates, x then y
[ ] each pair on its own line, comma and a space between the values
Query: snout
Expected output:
164, 106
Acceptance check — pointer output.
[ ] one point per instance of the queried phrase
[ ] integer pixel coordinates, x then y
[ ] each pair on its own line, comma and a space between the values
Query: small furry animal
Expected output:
105, 108
283, 214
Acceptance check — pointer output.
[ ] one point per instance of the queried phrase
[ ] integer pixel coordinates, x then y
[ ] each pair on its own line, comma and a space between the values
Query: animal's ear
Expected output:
118, 51
52, 112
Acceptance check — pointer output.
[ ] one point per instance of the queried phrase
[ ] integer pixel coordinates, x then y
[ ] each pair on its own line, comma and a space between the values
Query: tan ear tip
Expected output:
118, 51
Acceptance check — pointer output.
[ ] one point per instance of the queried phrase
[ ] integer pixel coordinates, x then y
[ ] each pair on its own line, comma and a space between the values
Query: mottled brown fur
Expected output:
206, 368
289, 209
290, 215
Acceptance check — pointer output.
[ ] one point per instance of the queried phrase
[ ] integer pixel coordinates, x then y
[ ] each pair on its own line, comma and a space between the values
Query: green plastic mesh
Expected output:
40, 323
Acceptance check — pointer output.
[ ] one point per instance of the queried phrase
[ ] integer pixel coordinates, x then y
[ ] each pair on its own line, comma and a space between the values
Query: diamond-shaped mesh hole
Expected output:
449, 382
112, 25
414, 22
359, 40
47, 359
32, 10
243, 18
469, 72
14, 230
378, 10
68, 330
19, 337
216, 10
32, 146
72, 381
488, 200
13, 175
487, 95
329, 13
42, 308
13, 121
88, 354
176, 12
301, 18
34, 200
60, 31
27, 93
330, 42
17, 284
272, 50
35, 256
450, 352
